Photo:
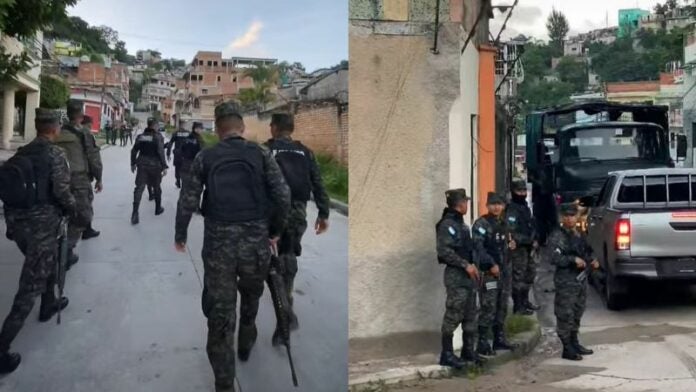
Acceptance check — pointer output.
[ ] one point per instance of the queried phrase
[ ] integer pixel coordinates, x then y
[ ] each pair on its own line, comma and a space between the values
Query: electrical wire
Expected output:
507, 18
482, 11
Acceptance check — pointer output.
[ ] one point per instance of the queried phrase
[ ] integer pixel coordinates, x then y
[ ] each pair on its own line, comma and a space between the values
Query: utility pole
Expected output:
103, 93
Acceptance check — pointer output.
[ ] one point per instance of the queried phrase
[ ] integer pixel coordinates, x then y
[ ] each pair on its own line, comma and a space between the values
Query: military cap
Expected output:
47, 116
197, 124
569, 209
151, 121
519, 185
494, 198
227, 109
456, 195
75, 107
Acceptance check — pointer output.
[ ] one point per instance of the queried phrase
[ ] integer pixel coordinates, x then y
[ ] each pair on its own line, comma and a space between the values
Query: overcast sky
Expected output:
529, 17
313, 32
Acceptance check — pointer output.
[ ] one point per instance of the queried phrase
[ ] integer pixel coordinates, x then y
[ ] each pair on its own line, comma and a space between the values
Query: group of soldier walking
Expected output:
496, 260
254, 203
124, 134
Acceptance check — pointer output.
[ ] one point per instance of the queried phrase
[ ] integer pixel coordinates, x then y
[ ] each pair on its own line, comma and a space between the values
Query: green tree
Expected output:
54, 92
135, 91
544, 94
574, 72
537, 60
23, 19
557, 26
672, 5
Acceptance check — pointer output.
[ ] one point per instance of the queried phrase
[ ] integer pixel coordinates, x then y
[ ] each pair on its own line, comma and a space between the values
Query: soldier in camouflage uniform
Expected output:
572, 256
87, 125
523, 231
35, 230
147, 157
241, 225
301, 172
489, 235
455, 249
191, 146
85, 166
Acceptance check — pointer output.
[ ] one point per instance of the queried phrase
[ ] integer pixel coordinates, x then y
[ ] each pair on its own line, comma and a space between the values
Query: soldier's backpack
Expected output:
235, 190
25, 178
294, 161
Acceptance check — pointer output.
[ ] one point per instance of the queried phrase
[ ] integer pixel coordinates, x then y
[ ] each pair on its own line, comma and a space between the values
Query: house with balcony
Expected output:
20, 96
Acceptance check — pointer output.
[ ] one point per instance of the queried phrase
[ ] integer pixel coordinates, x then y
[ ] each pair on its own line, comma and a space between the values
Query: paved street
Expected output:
134, 322
651, 346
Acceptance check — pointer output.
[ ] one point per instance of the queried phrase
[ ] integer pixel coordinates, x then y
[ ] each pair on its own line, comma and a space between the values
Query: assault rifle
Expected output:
281, 305
62, 261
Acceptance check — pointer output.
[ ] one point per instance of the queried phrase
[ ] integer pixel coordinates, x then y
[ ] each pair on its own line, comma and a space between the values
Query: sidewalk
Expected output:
134, 322
373, 375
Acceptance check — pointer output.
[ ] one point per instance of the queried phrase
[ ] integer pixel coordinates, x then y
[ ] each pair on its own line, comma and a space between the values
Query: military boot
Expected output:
528, 304
135, 218
9, 362
499, 340
246, 341
468, 353
519, 305
90, 233
578, 347
447, 357
178, 183
158, 205
50, 307
569, 351
277, 339
483, 347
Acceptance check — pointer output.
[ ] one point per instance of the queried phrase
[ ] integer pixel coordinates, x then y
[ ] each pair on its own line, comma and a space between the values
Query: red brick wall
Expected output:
323, 128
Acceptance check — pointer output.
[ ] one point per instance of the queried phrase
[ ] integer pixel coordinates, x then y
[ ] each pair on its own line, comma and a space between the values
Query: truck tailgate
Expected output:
663, 234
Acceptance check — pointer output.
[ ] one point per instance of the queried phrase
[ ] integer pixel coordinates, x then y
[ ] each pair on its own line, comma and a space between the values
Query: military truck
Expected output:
571, 150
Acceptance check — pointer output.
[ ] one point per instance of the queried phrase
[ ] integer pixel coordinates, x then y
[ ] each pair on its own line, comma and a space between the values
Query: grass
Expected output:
335, 177
516, 324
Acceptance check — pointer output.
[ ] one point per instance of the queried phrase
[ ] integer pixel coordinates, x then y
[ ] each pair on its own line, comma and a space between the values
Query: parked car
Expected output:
643, 226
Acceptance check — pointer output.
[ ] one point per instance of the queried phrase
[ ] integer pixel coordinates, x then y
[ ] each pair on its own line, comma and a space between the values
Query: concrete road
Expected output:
650, 346
134, 322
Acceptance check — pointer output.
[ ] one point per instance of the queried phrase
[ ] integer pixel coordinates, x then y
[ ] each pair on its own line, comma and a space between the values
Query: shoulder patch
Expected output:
481, 230
452, 231
512, 219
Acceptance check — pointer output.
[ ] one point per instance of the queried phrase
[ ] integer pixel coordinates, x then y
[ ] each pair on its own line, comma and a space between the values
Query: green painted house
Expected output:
629, 21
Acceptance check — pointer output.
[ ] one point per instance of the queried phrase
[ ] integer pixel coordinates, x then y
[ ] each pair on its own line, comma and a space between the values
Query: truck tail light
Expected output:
623, 234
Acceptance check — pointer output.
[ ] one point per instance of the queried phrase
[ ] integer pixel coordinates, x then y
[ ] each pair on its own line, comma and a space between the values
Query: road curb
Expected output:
374, 382
340, 207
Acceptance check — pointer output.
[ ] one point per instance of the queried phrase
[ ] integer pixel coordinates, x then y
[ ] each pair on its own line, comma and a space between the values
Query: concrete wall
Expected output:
405, 107
333, 86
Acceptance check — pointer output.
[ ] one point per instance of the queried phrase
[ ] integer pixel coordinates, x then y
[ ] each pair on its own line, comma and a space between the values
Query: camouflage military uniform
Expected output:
85, 165
192, 145
290, 245
35, 231
455, 250
489, 235
236, 256
563, 246
523, 231
149, 159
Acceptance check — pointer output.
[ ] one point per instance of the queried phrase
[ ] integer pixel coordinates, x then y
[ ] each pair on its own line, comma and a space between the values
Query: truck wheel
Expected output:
614, 292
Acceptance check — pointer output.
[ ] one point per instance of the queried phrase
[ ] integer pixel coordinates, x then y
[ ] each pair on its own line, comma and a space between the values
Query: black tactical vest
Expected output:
235, 188
148, 145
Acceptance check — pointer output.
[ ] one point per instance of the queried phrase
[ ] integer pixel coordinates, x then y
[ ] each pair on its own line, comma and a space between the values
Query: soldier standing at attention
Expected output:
92, 157
522, 229
489, 235
455, 249
85, 166
569, 252
301, 172
190, 147
34, 225
245, 204
147, 156
176, 142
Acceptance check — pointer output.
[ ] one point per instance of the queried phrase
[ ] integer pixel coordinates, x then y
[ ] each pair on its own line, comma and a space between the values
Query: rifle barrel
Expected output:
292, 365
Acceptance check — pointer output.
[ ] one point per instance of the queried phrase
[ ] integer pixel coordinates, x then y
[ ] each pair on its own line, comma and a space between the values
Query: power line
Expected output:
177, 42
